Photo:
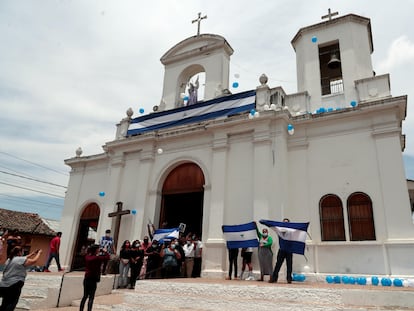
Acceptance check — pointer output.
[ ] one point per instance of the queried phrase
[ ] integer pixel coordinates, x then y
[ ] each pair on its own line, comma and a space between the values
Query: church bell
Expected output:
334, 62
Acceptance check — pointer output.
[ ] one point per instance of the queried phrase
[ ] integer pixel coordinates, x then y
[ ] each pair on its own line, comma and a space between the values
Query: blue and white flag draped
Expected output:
165, 234
292, 235
239, 236
218, 107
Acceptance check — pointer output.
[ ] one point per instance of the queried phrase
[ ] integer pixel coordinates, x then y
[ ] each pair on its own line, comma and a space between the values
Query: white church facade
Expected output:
330, 154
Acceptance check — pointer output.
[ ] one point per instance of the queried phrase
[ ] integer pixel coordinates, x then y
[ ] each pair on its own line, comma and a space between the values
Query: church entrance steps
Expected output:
204, 294
209, 294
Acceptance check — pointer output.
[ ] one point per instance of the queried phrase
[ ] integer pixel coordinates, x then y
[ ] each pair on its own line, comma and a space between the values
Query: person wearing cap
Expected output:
93, 263
107, 244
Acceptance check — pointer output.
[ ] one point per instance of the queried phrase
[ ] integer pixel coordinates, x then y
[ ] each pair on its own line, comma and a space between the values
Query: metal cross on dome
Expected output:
329, 15
198, 20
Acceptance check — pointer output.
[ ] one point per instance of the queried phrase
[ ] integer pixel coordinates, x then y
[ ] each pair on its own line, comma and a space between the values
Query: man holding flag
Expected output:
292, 237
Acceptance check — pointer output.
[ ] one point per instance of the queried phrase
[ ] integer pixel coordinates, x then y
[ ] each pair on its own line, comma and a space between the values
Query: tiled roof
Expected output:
24, 223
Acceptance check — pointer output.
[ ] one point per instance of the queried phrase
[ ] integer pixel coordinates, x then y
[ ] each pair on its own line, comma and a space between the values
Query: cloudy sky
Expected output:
70, 69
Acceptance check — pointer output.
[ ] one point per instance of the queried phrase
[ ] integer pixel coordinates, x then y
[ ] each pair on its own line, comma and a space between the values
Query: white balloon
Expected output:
236, 75
273, 106
182, 95
256, 114
291, 131
160, 150
251, 116
266, 107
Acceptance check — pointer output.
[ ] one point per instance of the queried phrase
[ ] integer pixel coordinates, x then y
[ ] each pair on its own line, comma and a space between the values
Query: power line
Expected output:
15, 199
53, 195
37, 180
33, 163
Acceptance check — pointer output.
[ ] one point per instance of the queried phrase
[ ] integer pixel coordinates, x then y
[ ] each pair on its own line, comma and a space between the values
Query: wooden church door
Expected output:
182, 198
86, 236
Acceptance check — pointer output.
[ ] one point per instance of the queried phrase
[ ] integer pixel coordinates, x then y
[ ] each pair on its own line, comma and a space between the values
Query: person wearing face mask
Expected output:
153, 260
265, 253
106, 244
137, 256
189, 257
170, 256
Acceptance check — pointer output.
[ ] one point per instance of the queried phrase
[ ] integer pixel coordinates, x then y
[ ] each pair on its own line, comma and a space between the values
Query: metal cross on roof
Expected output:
329, 15
198, 20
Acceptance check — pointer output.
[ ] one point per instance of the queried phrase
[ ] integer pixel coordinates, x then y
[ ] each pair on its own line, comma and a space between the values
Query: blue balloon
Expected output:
314, 39
398, 282
353, 103
362, 281
374, 280
235, 85
329, 109
133, 212
351, 280
252, 112
302, 278
345, 279
337, 279
386, 282
185, 97
329, 279
290, 127
141, 110
101, 194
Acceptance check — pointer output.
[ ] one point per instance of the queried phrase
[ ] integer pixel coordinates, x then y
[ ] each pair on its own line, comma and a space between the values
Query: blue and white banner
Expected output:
292, 235
239, 236
218, 107
166, 234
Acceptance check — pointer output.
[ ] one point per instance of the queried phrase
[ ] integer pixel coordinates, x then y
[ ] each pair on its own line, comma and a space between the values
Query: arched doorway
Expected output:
86, 236
182, 198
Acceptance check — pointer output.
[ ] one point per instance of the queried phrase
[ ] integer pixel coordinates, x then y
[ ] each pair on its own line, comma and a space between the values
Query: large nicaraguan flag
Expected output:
165, 234
211, 109
239, 236
292, 235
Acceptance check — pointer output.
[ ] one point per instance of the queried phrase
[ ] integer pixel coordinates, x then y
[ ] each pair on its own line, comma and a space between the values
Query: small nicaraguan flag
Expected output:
292, 235
239, 236
165, 234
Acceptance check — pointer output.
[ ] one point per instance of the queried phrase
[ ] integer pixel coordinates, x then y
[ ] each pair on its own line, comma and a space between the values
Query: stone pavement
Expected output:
213, 294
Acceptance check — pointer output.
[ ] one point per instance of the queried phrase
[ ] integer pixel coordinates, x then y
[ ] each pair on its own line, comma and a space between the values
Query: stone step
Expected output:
207, 295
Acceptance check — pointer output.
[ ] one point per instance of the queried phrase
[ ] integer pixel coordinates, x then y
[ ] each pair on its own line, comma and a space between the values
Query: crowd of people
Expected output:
169, 258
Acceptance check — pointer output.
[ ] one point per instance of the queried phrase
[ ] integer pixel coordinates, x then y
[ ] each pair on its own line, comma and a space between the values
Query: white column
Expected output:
214, 259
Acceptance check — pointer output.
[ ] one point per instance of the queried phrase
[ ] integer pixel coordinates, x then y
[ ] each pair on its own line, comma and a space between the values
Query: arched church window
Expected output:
332, 218
330, 69
361, 218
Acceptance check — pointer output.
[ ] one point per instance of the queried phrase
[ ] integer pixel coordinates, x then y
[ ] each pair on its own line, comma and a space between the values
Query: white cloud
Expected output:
400, 53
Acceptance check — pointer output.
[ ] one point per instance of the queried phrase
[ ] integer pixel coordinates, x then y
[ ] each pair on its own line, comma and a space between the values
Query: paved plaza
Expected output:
209, 295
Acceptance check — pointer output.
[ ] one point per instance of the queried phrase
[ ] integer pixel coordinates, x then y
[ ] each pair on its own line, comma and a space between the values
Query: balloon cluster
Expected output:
271, 107
298, 277
253, 114
362, 280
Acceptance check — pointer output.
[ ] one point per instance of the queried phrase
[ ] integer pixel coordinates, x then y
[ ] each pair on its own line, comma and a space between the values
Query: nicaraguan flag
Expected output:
211, 109
239, 236
165, 234
292, 235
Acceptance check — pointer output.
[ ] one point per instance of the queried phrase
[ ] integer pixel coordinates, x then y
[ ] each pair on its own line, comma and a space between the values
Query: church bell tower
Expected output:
202, 53
331, 56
